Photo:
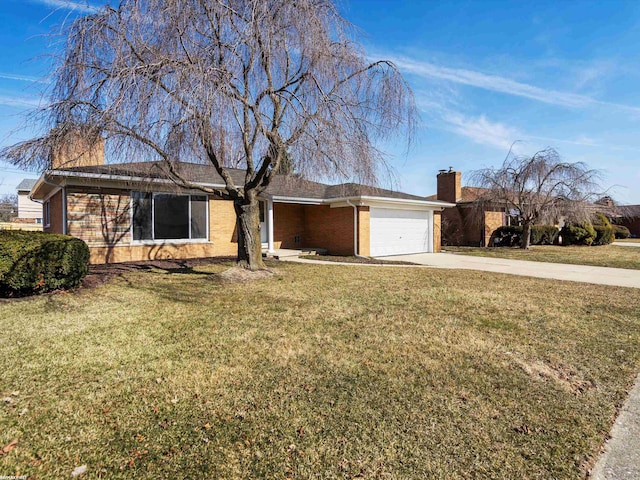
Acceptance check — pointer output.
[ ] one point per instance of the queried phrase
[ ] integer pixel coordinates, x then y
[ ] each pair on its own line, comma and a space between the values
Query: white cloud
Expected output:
68, 4
481, 130
11, 101
21, 78
499, 84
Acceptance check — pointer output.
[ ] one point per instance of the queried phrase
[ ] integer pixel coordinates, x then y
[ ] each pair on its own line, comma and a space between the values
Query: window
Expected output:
163, 216
46, 213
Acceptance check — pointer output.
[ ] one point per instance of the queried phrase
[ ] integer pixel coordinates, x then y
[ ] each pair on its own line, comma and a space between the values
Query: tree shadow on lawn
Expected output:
101, 274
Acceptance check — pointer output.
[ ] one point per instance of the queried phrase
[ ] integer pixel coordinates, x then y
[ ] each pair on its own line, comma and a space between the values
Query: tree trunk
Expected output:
526, 236
248, 223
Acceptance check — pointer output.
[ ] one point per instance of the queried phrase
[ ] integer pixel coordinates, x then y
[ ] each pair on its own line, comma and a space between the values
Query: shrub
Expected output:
511, 236
604, 230
36, 262
578, 234
544, 234
604, 235
506, 236
620, 231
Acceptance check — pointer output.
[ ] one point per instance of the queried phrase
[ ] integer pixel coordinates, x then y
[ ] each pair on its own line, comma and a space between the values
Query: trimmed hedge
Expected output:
506, 236
37, 262
544, 234
578, 234
620, 231
604, 230
510, 236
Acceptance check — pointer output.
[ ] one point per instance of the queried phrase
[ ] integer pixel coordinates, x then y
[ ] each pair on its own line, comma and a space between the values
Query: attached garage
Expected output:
395, 231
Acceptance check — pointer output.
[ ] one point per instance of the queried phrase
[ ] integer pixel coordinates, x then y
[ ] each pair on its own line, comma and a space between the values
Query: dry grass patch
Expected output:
602, 256
321, 372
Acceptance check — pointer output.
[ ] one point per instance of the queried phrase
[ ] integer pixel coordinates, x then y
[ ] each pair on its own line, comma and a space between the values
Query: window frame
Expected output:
46, 214
163, 241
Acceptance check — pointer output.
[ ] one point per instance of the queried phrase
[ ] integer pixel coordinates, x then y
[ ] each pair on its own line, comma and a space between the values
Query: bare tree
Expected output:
232, 83
540, 188
8, 207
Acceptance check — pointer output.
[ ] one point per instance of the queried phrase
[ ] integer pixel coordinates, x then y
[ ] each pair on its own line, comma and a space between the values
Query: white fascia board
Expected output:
388, 202
299, 200
382, 202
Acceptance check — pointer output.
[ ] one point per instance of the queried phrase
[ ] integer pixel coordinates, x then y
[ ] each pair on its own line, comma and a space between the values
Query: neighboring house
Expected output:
468, 222
133, 211
629, 216
28, 210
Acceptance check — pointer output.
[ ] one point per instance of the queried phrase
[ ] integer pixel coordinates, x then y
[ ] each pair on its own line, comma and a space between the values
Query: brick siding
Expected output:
364, 231
55, 214
437, 232
100, 219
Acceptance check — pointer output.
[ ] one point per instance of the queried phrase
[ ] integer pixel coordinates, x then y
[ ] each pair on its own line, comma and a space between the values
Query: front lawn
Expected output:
602, 256
321, 372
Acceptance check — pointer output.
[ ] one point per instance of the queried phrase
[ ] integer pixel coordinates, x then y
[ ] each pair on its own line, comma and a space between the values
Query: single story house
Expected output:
629, 216
133, 212
470, 222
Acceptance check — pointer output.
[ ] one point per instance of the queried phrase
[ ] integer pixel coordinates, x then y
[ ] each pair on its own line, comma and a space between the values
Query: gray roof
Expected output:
26, 184
281, 185
630, 211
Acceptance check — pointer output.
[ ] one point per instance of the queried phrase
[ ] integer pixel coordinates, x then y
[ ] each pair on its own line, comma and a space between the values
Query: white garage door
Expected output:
395, 232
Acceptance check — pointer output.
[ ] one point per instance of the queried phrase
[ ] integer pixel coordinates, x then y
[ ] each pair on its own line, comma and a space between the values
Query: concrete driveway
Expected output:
626, 244
559, 271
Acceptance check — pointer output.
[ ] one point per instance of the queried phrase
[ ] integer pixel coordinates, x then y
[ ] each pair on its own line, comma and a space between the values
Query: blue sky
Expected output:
485, 74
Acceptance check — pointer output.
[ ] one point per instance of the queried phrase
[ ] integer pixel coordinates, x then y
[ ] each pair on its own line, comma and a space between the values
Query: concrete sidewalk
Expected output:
621, 457
626, 244
576, 273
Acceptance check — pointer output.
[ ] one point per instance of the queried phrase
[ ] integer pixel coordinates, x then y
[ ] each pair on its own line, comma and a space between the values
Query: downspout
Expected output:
355, 229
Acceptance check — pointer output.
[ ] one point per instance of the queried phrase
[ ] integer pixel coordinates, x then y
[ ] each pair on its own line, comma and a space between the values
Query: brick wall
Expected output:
55, 214
492, 220
330, 228
137, 253
100, 219
364, 231
451, 226
633, 224
449, 186
289, 226
437, 232
222, 227
78, 151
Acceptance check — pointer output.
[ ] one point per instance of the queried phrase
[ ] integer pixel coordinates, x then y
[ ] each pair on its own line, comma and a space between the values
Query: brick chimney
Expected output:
449, 186
77, 148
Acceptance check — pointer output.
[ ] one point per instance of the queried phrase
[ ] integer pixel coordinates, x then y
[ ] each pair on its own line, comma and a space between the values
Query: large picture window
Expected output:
163, 216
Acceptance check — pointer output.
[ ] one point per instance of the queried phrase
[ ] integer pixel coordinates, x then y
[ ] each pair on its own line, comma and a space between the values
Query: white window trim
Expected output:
173, 241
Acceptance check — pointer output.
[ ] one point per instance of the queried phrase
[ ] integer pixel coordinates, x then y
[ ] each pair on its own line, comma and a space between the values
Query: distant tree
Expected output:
8, 207
540, 188
228, 82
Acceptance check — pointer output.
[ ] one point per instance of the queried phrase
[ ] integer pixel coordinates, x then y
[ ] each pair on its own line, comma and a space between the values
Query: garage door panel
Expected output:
396, 232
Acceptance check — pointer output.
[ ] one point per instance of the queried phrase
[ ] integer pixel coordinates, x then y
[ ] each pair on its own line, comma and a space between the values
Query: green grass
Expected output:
321, 372
602, 256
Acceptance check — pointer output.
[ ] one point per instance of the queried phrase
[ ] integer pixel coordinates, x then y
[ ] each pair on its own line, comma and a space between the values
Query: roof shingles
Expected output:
281, 185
